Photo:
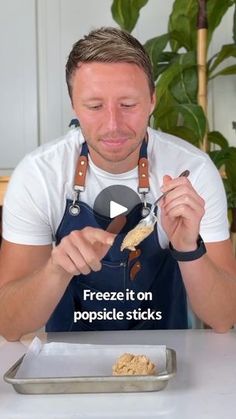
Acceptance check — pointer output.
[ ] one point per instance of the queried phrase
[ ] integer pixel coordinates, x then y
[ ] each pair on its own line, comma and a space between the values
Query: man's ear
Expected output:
153, 102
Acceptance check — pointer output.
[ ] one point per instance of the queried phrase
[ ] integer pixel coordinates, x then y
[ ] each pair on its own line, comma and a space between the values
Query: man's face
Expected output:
113, 103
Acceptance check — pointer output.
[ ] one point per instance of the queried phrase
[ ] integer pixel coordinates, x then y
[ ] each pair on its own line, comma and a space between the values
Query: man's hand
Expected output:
82, 250
181, 213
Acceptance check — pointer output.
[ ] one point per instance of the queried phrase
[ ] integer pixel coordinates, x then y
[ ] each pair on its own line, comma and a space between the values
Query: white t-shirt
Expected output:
36, 197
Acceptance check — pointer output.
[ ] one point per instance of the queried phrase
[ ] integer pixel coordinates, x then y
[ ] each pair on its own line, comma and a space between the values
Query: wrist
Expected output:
189, 255
55, 270
185, 247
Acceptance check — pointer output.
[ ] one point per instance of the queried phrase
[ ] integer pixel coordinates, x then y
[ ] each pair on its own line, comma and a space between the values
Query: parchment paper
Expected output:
59, 359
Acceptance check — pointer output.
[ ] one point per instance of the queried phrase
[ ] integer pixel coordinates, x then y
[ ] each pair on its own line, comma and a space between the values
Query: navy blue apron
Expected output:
149, 269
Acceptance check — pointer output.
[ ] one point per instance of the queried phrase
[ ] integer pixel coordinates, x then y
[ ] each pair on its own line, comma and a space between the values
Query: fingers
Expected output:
169, 183
178, 201
94, 235
166, 180
185, 212
81, 251
182, 199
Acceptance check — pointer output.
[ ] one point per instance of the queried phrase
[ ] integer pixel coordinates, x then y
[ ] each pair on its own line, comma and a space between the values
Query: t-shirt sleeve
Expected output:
214, 224
25, 215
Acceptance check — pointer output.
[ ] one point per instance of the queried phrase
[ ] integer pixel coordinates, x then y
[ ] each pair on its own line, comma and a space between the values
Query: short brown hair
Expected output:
108, 45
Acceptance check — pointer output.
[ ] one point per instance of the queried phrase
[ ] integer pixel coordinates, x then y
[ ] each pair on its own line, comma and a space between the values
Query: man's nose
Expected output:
113, 117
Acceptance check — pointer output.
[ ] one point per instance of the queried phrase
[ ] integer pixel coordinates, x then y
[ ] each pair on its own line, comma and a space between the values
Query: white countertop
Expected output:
204, 386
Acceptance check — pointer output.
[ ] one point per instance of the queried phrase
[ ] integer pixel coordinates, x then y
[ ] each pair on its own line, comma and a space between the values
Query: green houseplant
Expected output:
174, 59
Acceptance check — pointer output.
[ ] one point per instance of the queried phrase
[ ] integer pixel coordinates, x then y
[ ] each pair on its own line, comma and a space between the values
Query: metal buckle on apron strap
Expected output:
79, 184
143, 183
74, 208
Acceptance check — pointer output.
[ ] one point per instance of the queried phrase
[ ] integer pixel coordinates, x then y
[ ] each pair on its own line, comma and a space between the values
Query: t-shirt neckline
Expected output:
98, 171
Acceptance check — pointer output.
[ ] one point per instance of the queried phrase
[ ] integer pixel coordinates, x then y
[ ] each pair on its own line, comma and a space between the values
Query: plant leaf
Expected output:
234, 25
226, 51
215, 137
193, 118
219, 157
184, 133
126, 12
154, 48
231, 195
167, 56
167, 120
175, 69
227, 71
180, 39
165, 59
230, 168
184, 87
187, 25
182, 23
216, 9
159, 69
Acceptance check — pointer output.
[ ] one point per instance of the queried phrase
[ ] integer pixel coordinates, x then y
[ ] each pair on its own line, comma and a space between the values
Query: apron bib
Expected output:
150, 269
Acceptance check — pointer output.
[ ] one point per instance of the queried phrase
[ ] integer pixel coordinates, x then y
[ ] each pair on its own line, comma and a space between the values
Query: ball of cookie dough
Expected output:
136, 236
130, 364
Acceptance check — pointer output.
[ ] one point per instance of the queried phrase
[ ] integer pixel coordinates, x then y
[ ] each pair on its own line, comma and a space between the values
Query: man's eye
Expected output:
128, 105
94, 107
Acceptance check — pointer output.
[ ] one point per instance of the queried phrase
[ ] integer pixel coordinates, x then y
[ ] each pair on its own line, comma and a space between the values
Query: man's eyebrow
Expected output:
86, 99
94, 98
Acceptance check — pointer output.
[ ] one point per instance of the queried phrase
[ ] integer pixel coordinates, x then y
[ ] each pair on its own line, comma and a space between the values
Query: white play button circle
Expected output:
114, 201
116, 209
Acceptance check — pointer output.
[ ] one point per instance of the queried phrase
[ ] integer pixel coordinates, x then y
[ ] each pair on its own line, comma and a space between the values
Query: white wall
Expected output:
61, 24
224, 88
34, 104
18, 81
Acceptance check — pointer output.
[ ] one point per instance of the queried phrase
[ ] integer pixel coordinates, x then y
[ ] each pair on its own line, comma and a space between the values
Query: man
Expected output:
52, 192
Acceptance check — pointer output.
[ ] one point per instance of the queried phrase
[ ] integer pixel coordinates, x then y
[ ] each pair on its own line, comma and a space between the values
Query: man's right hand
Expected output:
82, 250
33, 278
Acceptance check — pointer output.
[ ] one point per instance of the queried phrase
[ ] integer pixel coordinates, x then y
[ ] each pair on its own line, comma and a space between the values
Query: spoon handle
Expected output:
183, 174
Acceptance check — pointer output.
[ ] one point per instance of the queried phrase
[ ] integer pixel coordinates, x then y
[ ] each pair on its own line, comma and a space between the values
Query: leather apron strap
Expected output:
143, 174
143, 189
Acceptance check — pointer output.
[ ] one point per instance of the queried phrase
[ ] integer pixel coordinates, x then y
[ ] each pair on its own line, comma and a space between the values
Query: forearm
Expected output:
211, 291
27, 303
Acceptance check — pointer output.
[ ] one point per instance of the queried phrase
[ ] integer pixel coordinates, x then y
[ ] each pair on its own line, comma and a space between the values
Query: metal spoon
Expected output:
146, 225
151, 218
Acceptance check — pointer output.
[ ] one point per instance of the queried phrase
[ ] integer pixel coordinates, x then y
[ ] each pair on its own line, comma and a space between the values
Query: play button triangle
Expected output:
116, 209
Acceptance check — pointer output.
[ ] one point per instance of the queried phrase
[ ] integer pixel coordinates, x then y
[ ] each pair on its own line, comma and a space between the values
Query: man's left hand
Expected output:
181, 213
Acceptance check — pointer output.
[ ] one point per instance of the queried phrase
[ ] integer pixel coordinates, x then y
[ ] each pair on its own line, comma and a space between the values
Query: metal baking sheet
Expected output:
107, 384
